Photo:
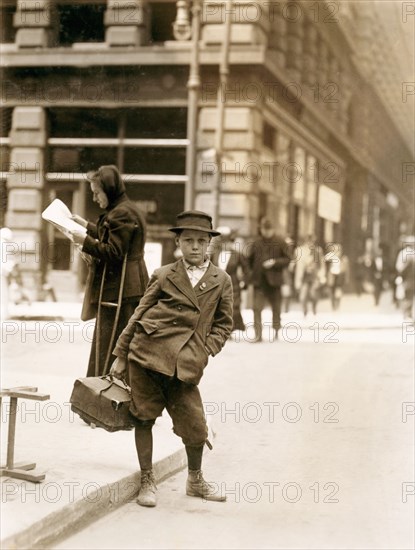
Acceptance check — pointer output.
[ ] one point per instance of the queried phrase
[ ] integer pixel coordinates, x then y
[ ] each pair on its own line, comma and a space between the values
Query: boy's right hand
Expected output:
118, 368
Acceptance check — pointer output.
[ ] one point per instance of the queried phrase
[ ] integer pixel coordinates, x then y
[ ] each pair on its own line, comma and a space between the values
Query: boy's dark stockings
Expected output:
144, 446
194, 457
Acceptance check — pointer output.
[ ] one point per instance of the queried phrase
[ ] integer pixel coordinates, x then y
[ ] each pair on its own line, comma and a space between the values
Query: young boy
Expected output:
184, 316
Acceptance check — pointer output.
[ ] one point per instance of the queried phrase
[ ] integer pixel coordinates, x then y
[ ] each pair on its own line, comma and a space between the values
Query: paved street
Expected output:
314, 448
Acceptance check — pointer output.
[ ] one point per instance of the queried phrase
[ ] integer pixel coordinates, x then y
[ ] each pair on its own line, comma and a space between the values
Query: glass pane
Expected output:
154, 161
83, 122
156, 123
81, 23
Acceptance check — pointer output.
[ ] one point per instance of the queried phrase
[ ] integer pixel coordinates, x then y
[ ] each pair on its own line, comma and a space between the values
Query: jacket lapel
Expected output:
180, 279
208, 281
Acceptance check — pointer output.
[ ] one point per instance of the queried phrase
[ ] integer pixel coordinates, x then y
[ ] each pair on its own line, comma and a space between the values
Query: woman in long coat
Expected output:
119, 231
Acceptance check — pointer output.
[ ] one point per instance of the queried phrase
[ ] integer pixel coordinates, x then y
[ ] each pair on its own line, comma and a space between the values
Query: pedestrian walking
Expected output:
118, 233
7, 266
309, 273
338, 273
378, 269
228, 256
288, 292
267, 258
184, 317
405, 268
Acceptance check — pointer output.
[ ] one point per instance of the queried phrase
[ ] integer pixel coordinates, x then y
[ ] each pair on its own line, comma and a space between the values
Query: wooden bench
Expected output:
19, 471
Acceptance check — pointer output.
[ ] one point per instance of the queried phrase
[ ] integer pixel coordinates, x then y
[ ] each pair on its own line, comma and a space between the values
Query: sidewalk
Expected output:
355, 313
89, 471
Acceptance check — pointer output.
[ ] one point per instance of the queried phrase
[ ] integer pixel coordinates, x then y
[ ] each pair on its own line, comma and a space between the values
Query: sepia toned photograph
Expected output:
207, 238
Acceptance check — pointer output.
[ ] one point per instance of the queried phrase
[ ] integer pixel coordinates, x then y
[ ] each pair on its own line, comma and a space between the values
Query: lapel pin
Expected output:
202, 286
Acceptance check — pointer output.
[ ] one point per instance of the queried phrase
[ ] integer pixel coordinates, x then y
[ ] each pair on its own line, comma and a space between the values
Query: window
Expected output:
81, 23
8, 32
163, 15
268, 135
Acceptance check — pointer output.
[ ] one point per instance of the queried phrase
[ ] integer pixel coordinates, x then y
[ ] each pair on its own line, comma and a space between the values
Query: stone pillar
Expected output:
323, 62
127, 23
310, 59
278, 32
345, 98
25, 184
333, 89
181, 26
238, 168
36, 24
250, 22
295, 38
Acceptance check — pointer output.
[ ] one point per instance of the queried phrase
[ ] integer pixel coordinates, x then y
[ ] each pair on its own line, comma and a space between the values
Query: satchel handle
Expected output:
112, 379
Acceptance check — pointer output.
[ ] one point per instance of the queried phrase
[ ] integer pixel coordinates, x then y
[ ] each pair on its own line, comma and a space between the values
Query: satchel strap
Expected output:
112, 380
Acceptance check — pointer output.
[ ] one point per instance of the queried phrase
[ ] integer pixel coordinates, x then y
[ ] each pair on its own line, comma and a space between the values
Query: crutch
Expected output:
117, 316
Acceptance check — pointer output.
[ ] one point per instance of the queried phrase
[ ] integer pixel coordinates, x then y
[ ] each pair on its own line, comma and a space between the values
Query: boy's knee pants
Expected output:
152, 392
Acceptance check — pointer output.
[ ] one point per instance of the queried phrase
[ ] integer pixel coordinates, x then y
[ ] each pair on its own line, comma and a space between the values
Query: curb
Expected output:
76, 515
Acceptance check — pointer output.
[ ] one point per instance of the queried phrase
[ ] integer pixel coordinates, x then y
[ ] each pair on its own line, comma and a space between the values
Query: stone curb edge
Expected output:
59, 524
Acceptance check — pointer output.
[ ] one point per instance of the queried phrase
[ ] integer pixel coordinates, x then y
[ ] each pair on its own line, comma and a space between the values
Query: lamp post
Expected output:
193, 86
223, 80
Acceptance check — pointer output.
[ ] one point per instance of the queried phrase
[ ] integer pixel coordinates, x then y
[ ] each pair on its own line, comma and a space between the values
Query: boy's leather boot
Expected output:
148, 489
196, 486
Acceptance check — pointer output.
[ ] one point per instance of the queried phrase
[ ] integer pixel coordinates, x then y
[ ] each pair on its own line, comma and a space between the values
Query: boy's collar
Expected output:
204, 265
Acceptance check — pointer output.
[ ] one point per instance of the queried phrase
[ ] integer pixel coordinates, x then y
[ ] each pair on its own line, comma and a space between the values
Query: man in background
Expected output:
267, 258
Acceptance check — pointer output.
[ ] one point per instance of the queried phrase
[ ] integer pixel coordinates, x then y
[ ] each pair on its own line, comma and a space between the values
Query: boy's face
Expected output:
194, 245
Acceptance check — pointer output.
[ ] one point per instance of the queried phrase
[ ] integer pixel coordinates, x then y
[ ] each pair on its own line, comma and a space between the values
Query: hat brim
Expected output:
195, 228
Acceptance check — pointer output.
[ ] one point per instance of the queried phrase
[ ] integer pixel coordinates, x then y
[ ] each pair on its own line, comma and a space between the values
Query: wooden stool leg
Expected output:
12, 433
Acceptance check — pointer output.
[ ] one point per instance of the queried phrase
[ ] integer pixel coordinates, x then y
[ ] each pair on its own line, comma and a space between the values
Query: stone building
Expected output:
317, 128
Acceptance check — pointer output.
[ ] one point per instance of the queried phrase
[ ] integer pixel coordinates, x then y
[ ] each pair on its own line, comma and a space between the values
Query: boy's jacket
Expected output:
176, 327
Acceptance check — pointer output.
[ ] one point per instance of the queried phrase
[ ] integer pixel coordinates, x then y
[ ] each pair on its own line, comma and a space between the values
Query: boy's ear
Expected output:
176, 240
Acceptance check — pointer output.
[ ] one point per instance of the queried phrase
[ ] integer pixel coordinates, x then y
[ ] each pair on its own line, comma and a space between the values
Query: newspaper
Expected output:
59, 215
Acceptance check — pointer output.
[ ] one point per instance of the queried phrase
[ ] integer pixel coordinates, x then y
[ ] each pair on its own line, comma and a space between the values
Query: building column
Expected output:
238, 170
334, 90
25, 190
345, 98
127, 23
295, 40
250, 22
36, 24
278, 33
310, 59
323, 65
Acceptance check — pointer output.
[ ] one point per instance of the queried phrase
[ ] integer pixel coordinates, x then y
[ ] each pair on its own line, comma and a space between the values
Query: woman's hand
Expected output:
80, 220
119, 368
268, 263
78, 237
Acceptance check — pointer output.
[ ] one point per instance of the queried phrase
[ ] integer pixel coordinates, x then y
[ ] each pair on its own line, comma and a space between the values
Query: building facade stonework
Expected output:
310, 138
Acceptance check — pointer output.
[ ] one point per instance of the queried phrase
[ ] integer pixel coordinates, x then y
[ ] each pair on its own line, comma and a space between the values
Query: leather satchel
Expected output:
103, 401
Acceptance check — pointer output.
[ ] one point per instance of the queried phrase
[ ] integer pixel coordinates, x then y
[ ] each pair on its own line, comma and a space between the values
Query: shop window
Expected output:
163, 15
268, 135
154, 161
4, 159
5, 121
7, 30
159, 201
59, 253
3, 201
81, 23
83, 122
156, 123
93, 157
